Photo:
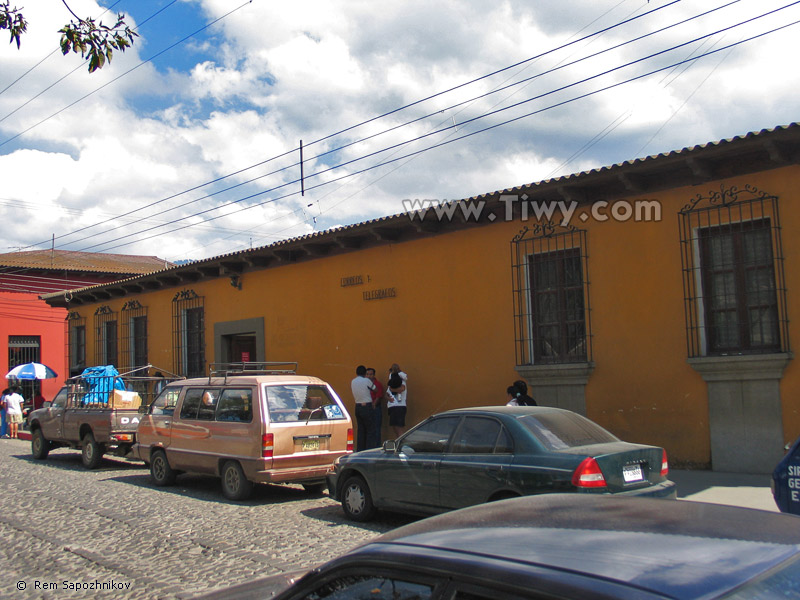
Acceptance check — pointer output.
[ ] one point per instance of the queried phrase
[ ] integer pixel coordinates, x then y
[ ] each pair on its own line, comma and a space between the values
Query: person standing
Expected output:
3, 406
377, 400
511, 395
367, 433
522, 394
38, 401
397, 393
14, 412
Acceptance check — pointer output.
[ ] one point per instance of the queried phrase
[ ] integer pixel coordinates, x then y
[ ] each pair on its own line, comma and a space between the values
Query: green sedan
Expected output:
469, 456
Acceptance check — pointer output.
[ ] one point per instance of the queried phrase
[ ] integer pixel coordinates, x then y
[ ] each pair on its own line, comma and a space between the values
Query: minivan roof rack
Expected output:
251, 368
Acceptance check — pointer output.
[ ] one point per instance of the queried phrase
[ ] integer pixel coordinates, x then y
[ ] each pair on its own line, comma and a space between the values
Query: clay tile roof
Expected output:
94, 262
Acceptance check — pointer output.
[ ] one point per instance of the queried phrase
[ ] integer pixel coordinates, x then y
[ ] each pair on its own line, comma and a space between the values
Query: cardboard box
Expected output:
124, 399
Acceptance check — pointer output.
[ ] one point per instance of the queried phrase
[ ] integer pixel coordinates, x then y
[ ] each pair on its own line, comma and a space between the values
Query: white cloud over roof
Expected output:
269, 74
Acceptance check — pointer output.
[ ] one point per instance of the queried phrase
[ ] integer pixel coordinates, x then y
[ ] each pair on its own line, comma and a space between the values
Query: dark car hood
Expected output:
677, 548
677, 566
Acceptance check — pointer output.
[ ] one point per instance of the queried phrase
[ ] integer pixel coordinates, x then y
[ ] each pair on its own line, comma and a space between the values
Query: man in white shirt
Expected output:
14, 412
367, 433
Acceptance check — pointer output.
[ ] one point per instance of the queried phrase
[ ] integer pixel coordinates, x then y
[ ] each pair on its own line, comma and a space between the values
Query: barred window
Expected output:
25, 349
735, 298
105, 347
188, 332
76, 343
134, 335
551, 295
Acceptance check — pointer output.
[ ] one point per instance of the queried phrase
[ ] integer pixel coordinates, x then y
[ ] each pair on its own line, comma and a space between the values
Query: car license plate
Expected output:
310, 445
631, 473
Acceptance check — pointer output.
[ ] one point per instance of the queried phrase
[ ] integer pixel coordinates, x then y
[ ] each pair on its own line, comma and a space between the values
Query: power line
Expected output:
77, 68
156, 55
449, 127
550, 107
434, 132
353, 127
18, 79
393, 128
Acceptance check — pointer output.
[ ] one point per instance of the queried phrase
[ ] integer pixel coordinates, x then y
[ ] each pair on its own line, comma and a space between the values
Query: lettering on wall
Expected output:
380, 294
352, 280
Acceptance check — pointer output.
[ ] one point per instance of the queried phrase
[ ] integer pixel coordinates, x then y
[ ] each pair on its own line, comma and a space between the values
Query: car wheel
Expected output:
91, 452
40, 447
357, 500
235, 485
160, 471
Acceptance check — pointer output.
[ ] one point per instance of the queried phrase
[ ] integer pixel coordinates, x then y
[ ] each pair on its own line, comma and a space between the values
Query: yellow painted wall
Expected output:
450, 326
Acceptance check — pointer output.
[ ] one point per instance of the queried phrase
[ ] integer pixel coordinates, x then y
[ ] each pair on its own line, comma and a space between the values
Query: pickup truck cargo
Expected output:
97, 418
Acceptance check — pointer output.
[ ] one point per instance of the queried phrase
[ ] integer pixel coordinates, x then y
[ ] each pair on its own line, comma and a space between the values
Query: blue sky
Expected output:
116, 160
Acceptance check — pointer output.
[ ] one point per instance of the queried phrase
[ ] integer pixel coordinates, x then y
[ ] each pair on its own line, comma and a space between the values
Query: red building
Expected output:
32, 331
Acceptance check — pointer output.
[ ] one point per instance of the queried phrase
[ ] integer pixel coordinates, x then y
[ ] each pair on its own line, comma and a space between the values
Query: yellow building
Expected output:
654, 298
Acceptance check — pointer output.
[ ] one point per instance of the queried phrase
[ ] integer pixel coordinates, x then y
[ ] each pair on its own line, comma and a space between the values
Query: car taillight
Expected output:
349, 440
588, 475
664, 464
267, 441
122, 437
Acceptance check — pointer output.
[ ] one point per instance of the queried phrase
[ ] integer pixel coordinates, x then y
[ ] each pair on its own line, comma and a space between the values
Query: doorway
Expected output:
239, 341
242, 347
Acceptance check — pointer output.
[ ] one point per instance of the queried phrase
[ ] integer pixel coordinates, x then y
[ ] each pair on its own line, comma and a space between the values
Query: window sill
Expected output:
561, 374
742, 367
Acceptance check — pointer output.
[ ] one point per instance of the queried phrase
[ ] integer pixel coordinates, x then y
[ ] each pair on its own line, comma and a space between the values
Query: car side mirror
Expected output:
390, 446
143, 409
47, 404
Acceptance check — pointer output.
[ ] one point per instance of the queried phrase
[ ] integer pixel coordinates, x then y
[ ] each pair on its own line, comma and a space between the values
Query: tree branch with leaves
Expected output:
94, 41
12, 19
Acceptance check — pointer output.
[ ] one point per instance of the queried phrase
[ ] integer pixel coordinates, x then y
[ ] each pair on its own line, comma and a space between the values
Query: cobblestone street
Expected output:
62, 525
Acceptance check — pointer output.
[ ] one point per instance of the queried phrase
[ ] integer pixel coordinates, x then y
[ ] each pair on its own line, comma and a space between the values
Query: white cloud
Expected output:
272, 73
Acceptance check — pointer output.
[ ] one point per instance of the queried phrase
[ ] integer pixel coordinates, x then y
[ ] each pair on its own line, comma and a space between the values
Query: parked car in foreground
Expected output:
245, 425
473, 455
565, 546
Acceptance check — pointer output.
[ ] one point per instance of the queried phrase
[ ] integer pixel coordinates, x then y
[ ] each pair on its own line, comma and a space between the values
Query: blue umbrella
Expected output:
31, 371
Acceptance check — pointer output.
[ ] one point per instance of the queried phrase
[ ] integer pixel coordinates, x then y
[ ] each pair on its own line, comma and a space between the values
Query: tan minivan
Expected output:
246, 427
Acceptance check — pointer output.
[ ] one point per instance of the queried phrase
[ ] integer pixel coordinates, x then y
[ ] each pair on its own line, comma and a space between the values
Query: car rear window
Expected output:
301, 403
562, 430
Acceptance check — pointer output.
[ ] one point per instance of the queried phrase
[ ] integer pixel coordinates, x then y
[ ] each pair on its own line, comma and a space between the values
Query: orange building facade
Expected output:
655, 299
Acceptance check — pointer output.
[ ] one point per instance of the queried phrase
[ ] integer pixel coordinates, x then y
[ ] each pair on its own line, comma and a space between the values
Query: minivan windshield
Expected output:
562, 430
300, 403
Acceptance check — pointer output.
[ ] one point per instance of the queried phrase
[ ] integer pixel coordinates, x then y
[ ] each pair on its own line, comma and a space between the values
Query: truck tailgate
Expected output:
124, 419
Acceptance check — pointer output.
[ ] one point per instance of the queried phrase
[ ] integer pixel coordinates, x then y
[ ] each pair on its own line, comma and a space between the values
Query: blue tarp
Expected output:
101, 381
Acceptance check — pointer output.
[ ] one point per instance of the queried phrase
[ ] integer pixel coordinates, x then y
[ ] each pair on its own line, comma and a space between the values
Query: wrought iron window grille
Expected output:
76, 342
106, 336
133, 335
549, 270
733, 273
188, 334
